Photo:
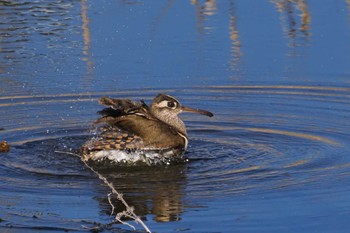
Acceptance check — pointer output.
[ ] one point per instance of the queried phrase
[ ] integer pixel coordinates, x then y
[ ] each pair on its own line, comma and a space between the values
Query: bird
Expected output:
132, 132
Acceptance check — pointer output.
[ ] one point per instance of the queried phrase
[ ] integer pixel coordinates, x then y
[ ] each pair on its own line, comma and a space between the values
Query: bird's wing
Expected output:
134, 119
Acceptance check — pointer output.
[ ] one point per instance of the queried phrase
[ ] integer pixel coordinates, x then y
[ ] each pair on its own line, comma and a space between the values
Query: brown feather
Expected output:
136, 118
129, 125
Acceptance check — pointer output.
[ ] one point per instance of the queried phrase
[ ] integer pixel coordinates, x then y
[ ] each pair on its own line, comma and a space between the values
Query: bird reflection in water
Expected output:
158, 191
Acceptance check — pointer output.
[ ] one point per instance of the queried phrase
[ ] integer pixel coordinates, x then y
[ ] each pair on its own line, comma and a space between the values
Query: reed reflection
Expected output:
87, 42
203, 12
150, 190
236, 52
295, 19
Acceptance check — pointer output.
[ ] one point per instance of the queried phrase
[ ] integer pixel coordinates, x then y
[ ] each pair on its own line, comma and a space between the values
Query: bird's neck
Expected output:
172, 120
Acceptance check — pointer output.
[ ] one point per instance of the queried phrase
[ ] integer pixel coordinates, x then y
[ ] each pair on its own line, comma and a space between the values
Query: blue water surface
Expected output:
275, 73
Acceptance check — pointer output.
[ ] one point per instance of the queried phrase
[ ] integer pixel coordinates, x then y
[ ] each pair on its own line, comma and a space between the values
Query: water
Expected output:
275, 157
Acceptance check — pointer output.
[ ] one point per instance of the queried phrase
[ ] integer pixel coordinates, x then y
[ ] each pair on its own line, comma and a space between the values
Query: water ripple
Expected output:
261, 138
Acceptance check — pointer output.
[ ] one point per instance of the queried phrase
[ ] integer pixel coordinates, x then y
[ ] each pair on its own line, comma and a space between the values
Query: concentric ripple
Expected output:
262, 138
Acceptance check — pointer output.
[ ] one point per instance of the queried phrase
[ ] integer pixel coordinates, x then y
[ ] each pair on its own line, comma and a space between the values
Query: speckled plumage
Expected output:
139, 129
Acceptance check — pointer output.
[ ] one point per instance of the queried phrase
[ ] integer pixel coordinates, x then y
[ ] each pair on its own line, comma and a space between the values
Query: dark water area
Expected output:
276, 74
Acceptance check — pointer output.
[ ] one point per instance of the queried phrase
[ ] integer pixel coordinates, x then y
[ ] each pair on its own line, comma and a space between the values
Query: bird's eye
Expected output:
171, 104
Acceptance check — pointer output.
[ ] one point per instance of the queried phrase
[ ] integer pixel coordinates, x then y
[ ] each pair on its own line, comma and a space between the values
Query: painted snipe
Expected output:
133, 131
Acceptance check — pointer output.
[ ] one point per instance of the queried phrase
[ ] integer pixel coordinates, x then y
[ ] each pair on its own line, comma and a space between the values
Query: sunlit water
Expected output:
274, 158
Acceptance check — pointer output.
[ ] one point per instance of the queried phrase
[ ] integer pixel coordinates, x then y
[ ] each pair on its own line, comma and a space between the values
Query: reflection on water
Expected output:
203, 12
87, 42
158, 191
259, 149
234, 36
278, 139
295, 20
58, 36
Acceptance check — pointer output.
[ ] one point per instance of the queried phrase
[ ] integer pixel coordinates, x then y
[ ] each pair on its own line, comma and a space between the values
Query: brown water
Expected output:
275, 73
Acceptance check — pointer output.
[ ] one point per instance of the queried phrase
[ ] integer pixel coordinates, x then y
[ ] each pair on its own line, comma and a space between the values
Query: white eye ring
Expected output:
167, 104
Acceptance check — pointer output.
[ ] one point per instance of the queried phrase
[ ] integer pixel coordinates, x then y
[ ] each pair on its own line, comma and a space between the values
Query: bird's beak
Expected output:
200, 111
